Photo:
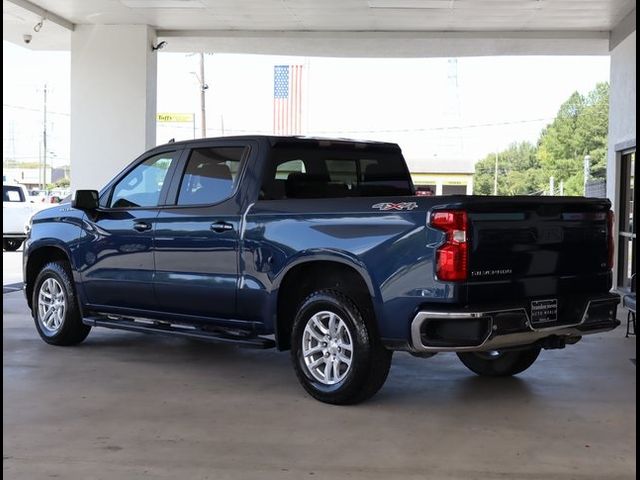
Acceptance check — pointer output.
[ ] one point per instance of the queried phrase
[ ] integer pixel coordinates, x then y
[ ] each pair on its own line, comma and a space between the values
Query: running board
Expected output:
185, 332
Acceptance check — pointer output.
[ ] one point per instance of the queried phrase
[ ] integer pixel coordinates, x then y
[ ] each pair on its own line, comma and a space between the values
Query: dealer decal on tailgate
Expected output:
544, 311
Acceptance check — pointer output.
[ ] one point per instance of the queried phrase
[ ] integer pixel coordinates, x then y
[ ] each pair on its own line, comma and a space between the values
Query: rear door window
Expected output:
210, 175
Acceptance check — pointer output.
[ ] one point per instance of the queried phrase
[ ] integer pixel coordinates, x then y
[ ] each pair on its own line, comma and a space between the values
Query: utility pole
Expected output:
587, 169
561, 188
44, 139
552, 187
203, 89
13, 144
40, 164
495, 177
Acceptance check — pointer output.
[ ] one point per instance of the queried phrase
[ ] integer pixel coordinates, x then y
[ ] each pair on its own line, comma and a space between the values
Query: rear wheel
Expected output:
337, 357
11, 244
55, 307
499, 363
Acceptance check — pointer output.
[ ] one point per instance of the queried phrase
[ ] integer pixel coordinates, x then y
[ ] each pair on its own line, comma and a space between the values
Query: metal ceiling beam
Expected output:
408, 34
389, 43
46, 14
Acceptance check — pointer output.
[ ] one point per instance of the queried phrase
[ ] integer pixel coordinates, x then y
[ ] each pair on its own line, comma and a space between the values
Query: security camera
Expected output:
27, 38
159, 46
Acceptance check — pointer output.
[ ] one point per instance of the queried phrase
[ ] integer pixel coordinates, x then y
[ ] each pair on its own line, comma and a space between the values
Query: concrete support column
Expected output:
113, 100
622, 110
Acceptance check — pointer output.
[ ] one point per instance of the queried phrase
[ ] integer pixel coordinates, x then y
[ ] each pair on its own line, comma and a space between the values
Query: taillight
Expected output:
452, 256
610, 245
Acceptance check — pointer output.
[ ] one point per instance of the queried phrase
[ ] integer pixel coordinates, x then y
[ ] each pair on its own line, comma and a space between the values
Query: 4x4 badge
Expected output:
386, 206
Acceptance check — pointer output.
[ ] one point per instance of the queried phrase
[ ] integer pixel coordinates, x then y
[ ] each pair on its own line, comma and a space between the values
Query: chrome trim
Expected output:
52, 306
327, 348
243, 221
491, 342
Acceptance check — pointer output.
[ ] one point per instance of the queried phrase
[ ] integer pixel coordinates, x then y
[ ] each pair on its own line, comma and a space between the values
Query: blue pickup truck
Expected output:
320, 247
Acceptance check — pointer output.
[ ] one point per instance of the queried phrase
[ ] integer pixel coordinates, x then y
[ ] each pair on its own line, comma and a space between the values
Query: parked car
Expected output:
16, 211
37, 196
320, 247
57, 195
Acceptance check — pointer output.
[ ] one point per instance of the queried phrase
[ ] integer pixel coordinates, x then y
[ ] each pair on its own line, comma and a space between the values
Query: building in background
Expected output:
442, 177
31, 176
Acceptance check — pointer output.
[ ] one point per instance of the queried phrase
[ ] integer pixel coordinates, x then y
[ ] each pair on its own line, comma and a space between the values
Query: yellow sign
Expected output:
175, 117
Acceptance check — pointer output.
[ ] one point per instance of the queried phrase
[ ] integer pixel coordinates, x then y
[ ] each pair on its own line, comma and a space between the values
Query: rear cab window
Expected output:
12, 194
310, 171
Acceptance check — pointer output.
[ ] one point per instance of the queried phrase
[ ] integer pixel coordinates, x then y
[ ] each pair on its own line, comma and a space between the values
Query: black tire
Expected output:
370, 361
499, 363
11, 244
71, 331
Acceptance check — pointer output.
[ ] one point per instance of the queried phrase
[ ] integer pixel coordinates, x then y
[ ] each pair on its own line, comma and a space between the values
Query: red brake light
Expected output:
452, 256
610, 245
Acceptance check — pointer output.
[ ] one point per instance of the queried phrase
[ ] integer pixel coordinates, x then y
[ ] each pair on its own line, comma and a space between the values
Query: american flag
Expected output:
287, 99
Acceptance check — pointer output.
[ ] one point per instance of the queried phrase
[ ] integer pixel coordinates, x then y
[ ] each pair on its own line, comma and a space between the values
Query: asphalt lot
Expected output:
126, 405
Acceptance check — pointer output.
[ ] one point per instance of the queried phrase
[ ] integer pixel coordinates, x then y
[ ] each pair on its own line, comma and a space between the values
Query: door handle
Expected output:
220, 227
142, 226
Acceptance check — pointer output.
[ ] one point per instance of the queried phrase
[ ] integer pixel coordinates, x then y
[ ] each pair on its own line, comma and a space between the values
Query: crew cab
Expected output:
320, 247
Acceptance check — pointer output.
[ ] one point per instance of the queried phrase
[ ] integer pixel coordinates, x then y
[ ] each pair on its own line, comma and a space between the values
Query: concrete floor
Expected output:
126, 405
11, 267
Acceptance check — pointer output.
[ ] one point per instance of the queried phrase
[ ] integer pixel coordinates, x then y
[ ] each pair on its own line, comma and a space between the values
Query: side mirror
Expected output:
85, 200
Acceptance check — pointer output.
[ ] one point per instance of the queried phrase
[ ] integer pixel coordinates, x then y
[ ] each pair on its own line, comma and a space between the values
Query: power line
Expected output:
31, 109
400, 130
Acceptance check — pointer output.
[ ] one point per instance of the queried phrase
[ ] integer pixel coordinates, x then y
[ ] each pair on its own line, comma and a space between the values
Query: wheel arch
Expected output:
37, 258
307, 275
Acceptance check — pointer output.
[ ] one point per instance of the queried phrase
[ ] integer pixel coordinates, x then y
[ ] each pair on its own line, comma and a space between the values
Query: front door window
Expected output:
141, 187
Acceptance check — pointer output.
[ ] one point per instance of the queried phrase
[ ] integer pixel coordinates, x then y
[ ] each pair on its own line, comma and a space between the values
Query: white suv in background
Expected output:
16, 213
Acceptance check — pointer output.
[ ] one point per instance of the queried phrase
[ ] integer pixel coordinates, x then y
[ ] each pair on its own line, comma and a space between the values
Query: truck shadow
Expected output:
411, 380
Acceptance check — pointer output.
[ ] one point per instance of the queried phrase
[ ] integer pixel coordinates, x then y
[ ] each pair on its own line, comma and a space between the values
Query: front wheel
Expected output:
11, 244
337, 357
55, 306
499, 363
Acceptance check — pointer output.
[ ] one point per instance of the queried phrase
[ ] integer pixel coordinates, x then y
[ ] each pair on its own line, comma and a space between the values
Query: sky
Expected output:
435, 108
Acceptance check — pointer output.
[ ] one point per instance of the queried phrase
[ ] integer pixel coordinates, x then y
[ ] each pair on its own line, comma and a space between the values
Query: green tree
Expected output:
64, 182
519, 171
580, 128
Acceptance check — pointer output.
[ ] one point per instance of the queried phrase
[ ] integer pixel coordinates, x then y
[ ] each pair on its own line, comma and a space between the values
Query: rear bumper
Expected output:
19, 236
480, 330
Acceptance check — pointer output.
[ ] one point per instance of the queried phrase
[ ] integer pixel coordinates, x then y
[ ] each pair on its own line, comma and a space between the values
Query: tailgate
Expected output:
537, 247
